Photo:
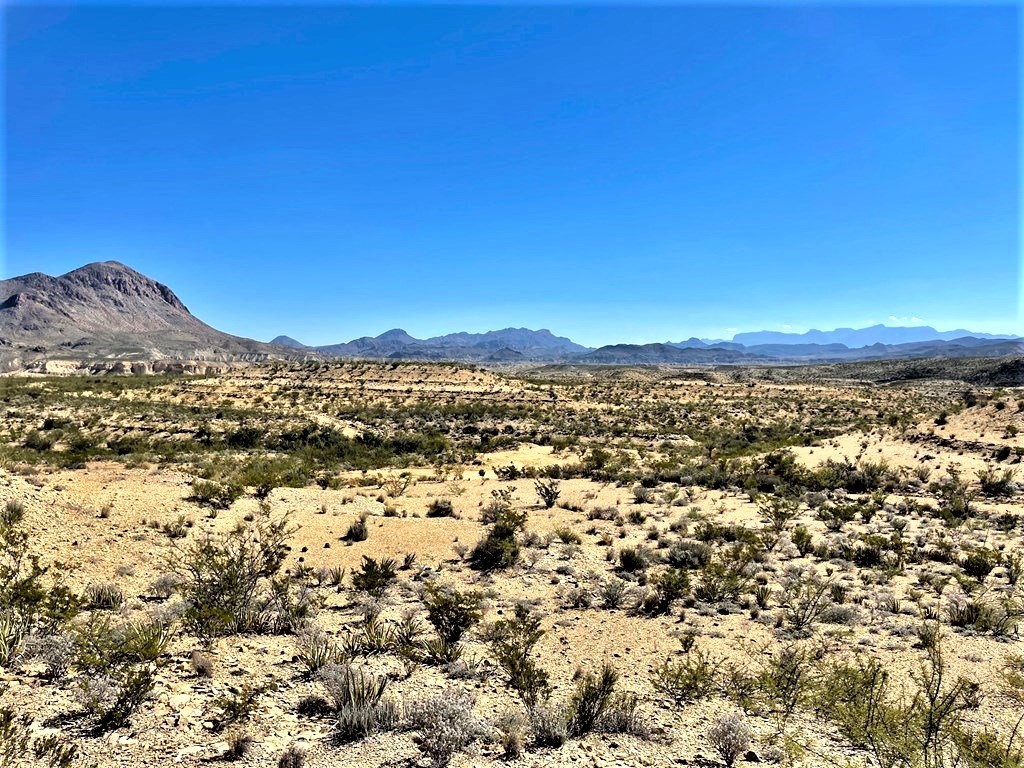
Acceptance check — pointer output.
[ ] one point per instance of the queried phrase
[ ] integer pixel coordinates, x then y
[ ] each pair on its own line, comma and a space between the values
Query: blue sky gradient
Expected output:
613, 174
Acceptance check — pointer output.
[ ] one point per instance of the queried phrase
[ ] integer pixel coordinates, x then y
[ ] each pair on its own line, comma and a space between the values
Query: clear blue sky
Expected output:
613, 174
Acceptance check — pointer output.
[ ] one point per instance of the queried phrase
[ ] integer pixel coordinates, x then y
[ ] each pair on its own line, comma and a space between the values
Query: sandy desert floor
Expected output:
740, 549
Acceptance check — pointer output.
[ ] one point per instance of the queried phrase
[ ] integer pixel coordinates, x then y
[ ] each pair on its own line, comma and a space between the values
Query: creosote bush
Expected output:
511, 642
500, 547
229, 582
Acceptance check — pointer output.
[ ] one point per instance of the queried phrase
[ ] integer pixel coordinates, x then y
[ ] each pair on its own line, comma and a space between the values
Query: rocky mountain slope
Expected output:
108, 312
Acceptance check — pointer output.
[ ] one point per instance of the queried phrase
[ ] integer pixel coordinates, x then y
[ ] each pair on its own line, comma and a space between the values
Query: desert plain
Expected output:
386, 564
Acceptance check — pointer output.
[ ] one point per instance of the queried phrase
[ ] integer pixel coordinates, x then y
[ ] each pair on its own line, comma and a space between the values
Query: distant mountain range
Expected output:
498, 346
109, 312
522, 344
858, 337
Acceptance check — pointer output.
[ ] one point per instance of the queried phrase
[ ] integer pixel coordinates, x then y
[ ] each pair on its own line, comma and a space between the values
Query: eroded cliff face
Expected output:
119, 367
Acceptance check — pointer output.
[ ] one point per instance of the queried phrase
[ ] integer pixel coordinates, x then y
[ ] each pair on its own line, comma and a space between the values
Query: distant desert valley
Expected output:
502, 548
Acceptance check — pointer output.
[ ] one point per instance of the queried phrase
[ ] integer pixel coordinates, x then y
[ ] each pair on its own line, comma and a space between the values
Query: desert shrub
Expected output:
804, 598
925, 727
375, 576
549, 723
177, 528
956, 498
511, 642
240, 744
27, 602
595, 706
451, 612
56, 652
730, 736
440, 508
690, 555
498, 507
613, 593
723, 579
1013, 562
547, 492
802, 540
835, 516
263, 474
236, 706
225, 580
694, 676
632, 559
778, 510
359, 703
20, 745
133, 688
995, 615
854, 478
118, 663
358, 530
37, 441
499, 548
996, 483
512, 734
622, 715
494, 552
711, 533
216, 495
446, 724
667, 587
643, 495
979, 563
568, 536
784, 681
294, 756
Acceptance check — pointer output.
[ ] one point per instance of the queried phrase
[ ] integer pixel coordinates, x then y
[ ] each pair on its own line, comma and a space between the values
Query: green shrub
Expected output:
500, 547
995, 483
632, 559
547, 492
375, 576
226, 579
358, 530
693, 677
590, 701
667, 587
215, 495
451, 612
511, 642
19, 744
440, 508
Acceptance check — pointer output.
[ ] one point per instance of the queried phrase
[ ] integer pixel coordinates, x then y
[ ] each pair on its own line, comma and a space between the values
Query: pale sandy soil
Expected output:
94, 521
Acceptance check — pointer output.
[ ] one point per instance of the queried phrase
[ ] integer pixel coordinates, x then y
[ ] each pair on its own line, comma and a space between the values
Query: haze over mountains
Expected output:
109, 312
